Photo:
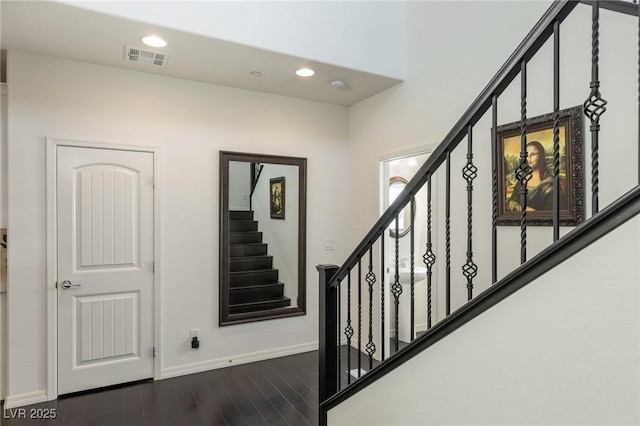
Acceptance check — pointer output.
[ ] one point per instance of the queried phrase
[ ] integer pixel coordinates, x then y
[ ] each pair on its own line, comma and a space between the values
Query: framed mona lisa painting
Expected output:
540, 187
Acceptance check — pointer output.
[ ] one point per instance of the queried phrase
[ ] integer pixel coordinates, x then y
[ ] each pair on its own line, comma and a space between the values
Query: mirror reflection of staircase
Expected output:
253, 282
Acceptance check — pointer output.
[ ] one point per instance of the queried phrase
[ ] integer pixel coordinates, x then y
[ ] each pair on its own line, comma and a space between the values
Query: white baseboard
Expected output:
198, 367
36, 397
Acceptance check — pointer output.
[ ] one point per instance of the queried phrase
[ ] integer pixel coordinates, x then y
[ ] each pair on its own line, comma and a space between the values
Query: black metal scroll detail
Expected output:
359, 317
469, 173
556, 131
382, 299
447, 226
595, 105
348, 331
396, 288
523, 172
339, 339
556, 174
412, 268
370, 278
494, 189
429, 257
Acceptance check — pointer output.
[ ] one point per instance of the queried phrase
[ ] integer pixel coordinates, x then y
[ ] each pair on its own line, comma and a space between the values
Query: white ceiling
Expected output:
69, 32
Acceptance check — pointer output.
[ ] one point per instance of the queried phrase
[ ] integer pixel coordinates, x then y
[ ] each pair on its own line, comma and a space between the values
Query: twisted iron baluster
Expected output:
359, 318
371, 280
348, 331
382, 292
429, 258
469, 173
556, 131
595, 105
448, 236
339, 290
412, 269
523, 172
396, 288
494, 189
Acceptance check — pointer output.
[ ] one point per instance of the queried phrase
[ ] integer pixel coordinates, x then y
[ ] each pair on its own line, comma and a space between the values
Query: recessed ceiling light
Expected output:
256, 73
153, 41
305, 72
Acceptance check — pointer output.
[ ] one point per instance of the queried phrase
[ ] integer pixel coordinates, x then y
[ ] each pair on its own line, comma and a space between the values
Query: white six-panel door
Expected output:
105, 267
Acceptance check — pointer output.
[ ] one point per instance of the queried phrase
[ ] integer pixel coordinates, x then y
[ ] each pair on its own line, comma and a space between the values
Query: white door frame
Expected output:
52, 257
383, 159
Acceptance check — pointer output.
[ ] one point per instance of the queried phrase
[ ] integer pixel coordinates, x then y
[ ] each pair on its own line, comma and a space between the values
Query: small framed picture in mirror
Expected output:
277, 197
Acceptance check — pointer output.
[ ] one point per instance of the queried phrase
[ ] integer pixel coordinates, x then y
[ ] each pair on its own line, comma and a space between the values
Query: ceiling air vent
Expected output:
145, 56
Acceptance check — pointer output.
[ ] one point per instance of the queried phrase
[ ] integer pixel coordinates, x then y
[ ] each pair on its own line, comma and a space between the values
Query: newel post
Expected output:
328, 344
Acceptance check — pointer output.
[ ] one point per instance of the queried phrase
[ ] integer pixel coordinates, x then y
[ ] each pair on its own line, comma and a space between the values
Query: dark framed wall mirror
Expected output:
263, 212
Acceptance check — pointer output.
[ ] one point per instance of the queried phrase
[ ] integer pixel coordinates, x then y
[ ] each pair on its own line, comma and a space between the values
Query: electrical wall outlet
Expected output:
193, 333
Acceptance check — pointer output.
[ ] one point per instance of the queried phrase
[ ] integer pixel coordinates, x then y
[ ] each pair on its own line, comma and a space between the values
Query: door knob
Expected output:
68, 284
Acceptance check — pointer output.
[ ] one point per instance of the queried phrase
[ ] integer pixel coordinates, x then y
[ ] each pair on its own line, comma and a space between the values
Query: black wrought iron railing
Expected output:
360, 300
255, 171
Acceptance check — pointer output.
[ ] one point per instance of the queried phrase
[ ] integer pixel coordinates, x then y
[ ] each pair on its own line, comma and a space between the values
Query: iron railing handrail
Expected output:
536, 38
608, 219
599, 223
255, 177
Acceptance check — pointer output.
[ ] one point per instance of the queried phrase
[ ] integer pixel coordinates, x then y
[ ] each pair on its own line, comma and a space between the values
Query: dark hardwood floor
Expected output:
281, 391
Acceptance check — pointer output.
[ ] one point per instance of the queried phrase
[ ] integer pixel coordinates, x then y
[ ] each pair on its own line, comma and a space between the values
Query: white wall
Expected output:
563, 350
366, 36
239, 185
190, 122
469, 41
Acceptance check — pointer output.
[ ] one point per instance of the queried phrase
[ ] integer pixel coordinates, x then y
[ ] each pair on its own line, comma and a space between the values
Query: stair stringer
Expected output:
564, 349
